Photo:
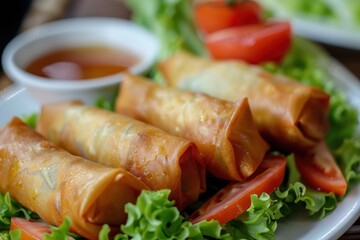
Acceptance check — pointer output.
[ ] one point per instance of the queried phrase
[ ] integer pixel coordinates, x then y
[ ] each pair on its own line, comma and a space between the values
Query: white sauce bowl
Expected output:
77, 32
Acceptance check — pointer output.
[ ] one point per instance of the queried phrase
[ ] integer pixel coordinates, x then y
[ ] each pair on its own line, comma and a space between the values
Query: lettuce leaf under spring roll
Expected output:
223, 131
290, 116
160, 160
54, 184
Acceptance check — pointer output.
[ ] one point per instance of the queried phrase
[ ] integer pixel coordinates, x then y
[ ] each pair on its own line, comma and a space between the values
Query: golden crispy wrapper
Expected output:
289, 115
160, 160
53, 183
223, 131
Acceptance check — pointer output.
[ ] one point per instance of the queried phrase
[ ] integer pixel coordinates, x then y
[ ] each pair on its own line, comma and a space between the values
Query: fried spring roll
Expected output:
160, 160
289, 115
54, 184
223, 131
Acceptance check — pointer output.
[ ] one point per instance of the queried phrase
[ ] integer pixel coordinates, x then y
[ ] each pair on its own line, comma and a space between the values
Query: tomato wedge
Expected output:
30, 229
320, 170
234, 199
253, 43
211, 16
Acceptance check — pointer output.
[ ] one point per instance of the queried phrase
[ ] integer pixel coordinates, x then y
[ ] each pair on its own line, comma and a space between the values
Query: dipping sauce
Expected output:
82, 63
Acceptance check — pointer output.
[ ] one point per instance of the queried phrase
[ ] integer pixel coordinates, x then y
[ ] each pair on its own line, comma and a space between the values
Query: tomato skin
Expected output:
253, 43
234, 199
30, 230
320, 170
211, 16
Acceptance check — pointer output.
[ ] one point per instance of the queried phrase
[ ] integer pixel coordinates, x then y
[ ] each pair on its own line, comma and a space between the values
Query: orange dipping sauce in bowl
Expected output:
79, 58
82, 63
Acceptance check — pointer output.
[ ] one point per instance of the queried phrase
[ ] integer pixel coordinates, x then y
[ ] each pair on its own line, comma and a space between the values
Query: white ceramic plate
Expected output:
344, 33
15, 101
326, 33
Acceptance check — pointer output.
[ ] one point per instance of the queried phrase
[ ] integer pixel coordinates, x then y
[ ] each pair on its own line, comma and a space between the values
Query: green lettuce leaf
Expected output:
343, 14
15, 234
11, 208
31, 119
10, 235
260, 220
309, 8
316, 203
348, 157
106, 104
257, 222
155, 217
60, 233
171, 21
4, 235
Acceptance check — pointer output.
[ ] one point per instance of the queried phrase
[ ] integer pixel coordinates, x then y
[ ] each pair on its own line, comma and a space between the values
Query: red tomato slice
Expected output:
30, 230
234, 199
211, 16
253, 43
320, 170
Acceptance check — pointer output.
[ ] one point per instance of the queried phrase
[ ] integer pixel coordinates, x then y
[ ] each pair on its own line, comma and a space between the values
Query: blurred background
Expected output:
20, 15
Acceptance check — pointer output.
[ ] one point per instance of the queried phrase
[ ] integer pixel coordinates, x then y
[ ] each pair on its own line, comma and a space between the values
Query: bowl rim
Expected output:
68, 25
